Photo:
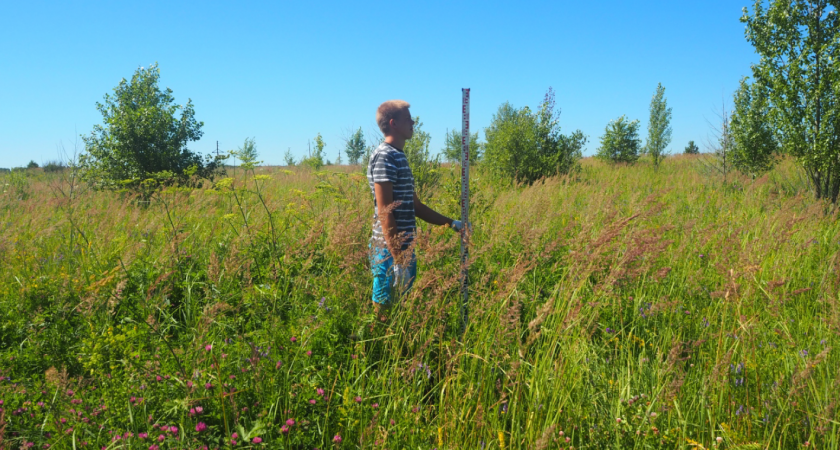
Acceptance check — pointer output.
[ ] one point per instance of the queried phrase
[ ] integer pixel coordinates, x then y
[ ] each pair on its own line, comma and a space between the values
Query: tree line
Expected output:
788, 107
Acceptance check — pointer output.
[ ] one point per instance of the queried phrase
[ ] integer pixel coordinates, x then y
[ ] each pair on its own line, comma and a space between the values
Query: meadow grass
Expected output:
618, 308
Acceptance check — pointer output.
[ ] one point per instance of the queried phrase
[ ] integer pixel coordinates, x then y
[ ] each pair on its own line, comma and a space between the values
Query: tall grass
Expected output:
620, 309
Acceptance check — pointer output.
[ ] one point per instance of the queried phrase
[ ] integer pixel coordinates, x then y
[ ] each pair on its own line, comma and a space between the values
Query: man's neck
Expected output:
395, 142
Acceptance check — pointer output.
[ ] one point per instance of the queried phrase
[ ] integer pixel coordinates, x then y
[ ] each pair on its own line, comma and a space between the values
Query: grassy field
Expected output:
620, 309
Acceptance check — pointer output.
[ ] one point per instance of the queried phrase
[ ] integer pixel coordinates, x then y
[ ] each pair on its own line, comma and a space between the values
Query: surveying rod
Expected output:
465, 203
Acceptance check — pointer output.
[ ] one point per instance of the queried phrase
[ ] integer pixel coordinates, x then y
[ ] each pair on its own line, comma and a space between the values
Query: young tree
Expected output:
32, 165
424, 167
288, 158
526, 146
691, 148
659, 127
142, 138
315, 159
452, 147
248, 152
620, 142
798, 42
558, 153
755, 144
511, 141
355, 146
720, 145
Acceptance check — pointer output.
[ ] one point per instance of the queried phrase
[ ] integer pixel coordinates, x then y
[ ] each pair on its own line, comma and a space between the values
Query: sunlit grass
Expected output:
619, 308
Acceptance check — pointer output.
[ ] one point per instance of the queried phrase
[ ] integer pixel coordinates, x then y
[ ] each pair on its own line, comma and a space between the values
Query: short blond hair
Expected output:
387, 111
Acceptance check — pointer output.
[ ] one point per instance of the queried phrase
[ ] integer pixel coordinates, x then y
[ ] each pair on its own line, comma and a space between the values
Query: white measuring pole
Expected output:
465, 202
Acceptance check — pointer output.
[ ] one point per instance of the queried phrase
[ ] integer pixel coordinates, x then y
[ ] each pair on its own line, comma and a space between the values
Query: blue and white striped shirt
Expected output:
389, 164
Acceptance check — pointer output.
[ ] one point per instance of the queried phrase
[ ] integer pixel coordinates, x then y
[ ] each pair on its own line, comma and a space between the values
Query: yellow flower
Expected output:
440, 437
502, 440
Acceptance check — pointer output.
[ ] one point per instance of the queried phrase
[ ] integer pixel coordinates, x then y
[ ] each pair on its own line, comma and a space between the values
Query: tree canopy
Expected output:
141, 137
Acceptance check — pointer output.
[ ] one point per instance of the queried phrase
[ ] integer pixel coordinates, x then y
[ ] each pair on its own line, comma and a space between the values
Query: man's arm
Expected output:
385, 210
428, 214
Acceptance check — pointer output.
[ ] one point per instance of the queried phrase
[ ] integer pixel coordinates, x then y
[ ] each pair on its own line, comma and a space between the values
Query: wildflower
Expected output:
293, 339
158, 378
719, 439
201, 426
161, 438
358, 399
192, 411
164, 428
312, 401
290, 422
153, 447
353, 356
208, 347
279, 363
804, 353
199, 410
70, 392
375, 405
256, 440
284, 429
309, 353
208, 385
321, 303
143, 435
320, 392
337, 438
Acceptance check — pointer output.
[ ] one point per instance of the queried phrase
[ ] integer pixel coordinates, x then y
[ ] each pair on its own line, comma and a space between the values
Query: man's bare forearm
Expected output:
429, 215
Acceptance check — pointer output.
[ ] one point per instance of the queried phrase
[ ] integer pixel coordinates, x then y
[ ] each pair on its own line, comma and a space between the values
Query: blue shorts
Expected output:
381, 264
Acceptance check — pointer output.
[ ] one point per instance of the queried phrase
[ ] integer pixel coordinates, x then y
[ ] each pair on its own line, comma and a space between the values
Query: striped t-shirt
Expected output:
388, 164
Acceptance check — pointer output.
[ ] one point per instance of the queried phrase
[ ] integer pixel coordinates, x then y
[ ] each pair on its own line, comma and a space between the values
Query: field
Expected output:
619, 308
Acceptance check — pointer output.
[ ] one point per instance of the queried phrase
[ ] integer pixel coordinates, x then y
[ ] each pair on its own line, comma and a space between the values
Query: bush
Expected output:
32, 165
526, 146
691, 148
620, 142
424, 167
754, 143
142, 139
316, 160
452, 147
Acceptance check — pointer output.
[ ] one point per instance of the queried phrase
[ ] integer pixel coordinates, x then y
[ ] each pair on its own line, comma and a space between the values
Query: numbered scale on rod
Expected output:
465, 203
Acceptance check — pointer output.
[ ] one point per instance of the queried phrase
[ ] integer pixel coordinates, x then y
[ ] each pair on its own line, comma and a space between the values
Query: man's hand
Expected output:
401, 277
457, 225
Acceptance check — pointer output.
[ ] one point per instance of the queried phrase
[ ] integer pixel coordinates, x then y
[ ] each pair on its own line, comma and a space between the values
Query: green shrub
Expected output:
524, 146
620, 142
141, 137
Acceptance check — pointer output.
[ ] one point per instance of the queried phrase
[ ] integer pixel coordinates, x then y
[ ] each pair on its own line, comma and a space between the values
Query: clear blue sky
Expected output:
281, 72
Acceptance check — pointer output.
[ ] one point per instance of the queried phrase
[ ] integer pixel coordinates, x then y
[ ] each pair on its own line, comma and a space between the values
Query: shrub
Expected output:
526, 146
141, 137
691, 148
620, 142
424, 167
452, 147
754, 143
315, 160
32, 165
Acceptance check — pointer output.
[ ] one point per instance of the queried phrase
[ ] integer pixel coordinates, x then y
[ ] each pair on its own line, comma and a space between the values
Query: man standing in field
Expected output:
396, 208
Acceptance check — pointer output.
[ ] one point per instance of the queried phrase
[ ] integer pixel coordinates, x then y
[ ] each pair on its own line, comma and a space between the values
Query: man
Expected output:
396, 206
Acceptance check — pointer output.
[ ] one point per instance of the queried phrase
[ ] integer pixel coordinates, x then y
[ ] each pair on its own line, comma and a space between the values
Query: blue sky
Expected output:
281, 72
